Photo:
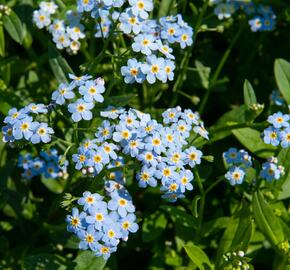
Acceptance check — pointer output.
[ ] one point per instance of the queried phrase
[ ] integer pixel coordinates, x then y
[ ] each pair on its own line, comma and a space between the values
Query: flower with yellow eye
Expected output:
141, 7
92, 91
235, 175
128, 224
193, 156
42, 133
81, 110
89, 238
75, 221
132, 72
89, 200
146, 177
122, 204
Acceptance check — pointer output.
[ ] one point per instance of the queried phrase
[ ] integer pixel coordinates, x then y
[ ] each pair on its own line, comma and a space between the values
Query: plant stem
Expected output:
202, 199
218, 71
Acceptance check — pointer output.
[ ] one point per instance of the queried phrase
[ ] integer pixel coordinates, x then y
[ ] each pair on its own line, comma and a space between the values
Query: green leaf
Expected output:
282, 75
204, 73
197, 256
44, 261
86, 260
266, 220
249, 94
53, 185
14, 26
121, 100
58, 64
153, 226
2, 41
251, 139
165, 8
283, 185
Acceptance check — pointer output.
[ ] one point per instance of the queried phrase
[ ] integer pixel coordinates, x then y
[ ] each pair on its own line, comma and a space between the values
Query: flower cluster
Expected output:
4, 10
46, 164
236, 260
238, 161
89, 92
101, 225
160, 149
152, 39
278, 133
66, 33
261, 17
20, 125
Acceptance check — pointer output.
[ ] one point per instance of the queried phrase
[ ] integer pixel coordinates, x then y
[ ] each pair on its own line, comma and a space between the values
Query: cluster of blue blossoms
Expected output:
262, 18
101, 225
88, 92
278, 133
159, 148
238, 161
20, 125
276, 98
151, 38
46, 164
66, 34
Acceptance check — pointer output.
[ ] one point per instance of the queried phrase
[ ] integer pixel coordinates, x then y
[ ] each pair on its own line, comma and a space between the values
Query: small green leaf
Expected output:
249, 94
86, 260
266, 220
203, 72
153, 226
165, 8
251, 139
121, 100
282, 75
14, 26
197, 256
2, 41
58, 64
53, 185
283, 185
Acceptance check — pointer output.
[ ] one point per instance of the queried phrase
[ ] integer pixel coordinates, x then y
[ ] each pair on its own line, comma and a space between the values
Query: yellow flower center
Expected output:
133, 71
24, 126
92, 90
99, 217
97, 159
126, 225
74, 221
90, 238
42, 131
154, 68
82, 158
122, 202
81, 108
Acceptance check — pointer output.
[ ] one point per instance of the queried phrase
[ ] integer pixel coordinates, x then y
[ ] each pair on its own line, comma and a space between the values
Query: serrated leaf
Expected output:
14, 26
153, 226
266, 220
249, 94
251, 139
198, 256
58, 64
282, 76
86, 260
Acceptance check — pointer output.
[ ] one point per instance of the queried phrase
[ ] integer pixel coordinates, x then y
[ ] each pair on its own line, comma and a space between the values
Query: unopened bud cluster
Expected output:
236, 261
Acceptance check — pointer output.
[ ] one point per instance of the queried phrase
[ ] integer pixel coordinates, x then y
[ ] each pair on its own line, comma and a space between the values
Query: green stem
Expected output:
202, 199
218, 71
220, 179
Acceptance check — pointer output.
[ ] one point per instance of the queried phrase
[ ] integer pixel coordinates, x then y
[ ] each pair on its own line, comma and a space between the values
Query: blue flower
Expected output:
285, 137
128, 224
109, 150
193, 156
168, 68
122, 133
85, 5
133, 146
279, 120
89, 200
186, 177
185, 37
24, 128
111, 234
121, 204
99, 159
235, 175
51, 170
146, 177
112, 112
14, 115
98, 215
36, 108
170, 32
277, 98
190, 117
132, 72
92, 91
154, 68
75, 221
201, 130
89, 238
141, 7
255, 24
78, 80
272, 136
165, 172
105, 251
144, 44
154, 143
232, 156
7, 132
129, 22
171, 115
41, 18
270, 171
81, 158
63, 92
105, 131
81, 110
42, 133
